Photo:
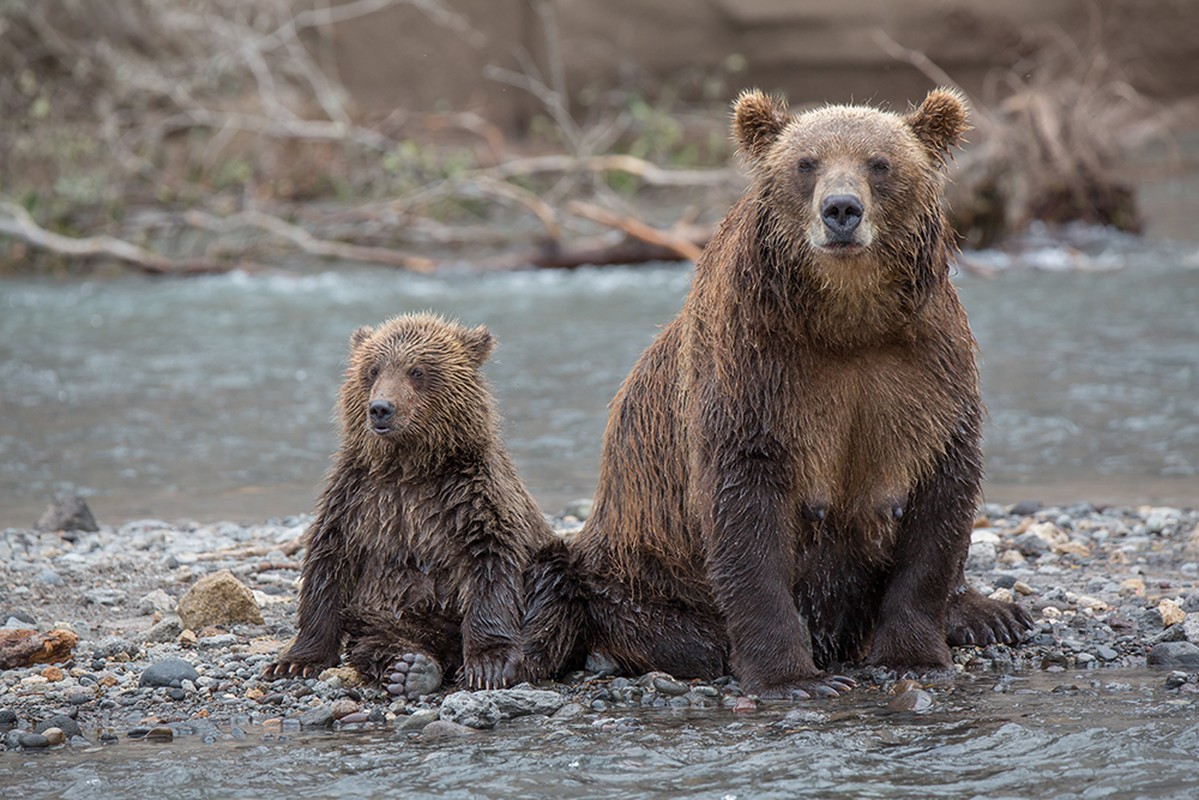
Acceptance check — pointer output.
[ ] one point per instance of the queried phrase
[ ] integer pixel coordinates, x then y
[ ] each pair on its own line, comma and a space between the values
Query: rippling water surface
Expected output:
1108, 734
211, 397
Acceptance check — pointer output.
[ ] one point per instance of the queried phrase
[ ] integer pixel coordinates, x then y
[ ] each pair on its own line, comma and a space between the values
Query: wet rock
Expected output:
69, 727
1106, 653
21, 647
68, 512
49, 577
220, 600
1174, 654
160, 733
54, 736
343, 707
472, 709
912, 700
579, 509
33, 741
444, 729
319, 717
8, 719
1190, 627
417, 720
168, 672
667, 685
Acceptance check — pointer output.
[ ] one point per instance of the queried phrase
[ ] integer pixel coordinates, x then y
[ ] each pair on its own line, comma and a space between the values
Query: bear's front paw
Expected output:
297, 667
413, 675
974, 619
819, 686
496, 668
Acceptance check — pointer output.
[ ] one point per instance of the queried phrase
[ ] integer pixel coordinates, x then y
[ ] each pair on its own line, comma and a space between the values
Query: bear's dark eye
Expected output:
372, 373
416, 373
806, 164
879, 166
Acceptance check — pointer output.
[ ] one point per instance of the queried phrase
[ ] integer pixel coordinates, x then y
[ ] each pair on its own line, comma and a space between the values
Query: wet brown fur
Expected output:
790, 472
425, 539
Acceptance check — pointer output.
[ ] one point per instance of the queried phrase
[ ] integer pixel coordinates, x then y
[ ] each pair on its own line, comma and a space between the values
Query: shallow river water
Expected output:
1110, 734
211, 398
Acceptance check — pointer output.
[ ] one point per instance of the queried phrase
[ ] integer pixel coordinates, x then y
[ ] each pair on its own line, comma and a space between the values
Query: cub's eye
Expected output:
806, 164
416, 373
372, 373
879, 166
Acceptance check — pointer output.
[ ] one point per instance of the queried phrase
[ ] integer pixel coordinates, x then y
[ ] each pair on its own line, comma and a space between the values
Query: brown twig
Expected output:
20, 225
683, 247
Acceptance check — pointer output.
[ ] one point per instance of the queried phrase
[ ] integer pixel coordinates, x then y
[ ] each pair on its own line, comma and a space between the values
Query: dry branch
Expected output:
311, 244
19, 225
683, 247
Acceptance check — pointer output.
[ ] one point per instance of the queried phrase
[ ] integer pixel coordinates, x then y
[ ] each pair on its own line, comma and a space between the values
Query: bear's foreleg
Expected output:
749, 542
934, 535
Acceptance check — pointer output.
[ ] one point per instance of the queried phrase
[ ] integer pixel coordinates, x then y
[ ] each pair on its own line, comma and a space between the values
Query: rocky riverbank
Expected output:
158, 630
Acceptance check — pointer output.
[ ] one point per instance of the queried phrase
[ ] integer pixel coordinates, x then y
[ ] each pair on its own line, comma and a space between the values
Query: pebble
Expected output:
445, 729
62, 722
343, 707
33, 741
1171, 612
160, 733
54, 736
1174, 654
318, 717
168, 672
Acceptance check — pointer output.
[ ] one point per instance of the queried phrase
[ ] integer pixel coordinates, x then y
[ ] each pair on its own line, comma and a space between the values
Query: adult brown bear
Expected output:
427, 554
790, 472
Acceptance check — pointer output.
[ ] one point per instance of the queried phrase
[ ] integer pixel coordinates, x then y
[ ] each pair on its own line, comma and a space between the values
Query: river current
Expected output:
211, 398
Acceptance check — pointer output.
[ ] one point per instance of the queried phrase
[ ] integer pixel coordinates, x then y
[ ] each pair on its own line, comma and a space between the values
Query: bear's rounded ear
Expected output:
758, 119
478, 343
940, 121
361, 335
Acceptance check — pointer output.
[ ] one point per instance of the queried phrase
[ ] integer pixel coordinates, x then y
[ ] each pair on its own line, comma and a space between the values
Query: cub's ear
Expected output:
361, 335
757, 121
478, 343
940, 121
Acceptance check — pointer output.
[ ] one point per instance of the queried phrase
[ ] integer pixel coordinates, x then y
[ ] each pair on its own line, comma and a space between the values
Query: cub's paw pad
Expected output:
413, 675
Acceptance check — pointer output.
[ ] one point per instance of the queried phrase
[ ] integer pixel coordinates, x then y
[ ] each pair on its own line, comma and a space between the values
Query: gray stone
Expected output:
417, 720
1106, 653
68, 512
444, 729
1025, 508
167, 630
61, 721
168, 672
1190, 627
319, 717
472, 709
33, 741
50, 577
982, 556
667, 685
113, 646
1174, 654
104, 597
156, 601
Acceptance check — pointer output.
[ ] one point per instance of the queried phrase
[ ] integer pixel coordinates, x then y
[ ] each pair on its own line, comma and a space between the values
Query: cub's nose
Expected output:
841, 214
381, 412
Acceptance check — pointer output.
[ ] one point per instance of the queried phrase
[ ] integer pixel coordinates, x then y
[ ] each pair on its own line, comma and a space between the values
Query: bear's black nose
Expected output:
841, 214
381, 412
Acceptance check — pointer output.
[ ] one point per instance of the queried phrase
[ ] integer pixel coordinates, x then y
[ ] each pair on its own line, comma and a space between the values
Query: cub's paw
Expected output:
974, 619
412, 675
821, 686
497, 668
299, 667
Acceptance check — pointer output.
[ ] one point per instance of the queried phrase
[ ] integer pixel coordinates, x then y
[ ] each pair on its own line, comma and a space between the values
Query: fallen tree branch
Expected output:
310, 244
683, 247
21, 226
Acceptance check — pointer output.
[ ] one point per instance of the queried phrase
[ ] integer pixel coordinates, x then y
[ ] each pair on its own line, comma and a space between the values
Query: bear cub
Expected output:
427, 555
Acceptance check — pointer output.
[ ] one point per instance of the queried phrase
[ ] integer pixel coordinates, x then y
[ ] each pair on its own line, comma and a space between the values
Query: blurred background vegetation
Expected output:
204, 135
